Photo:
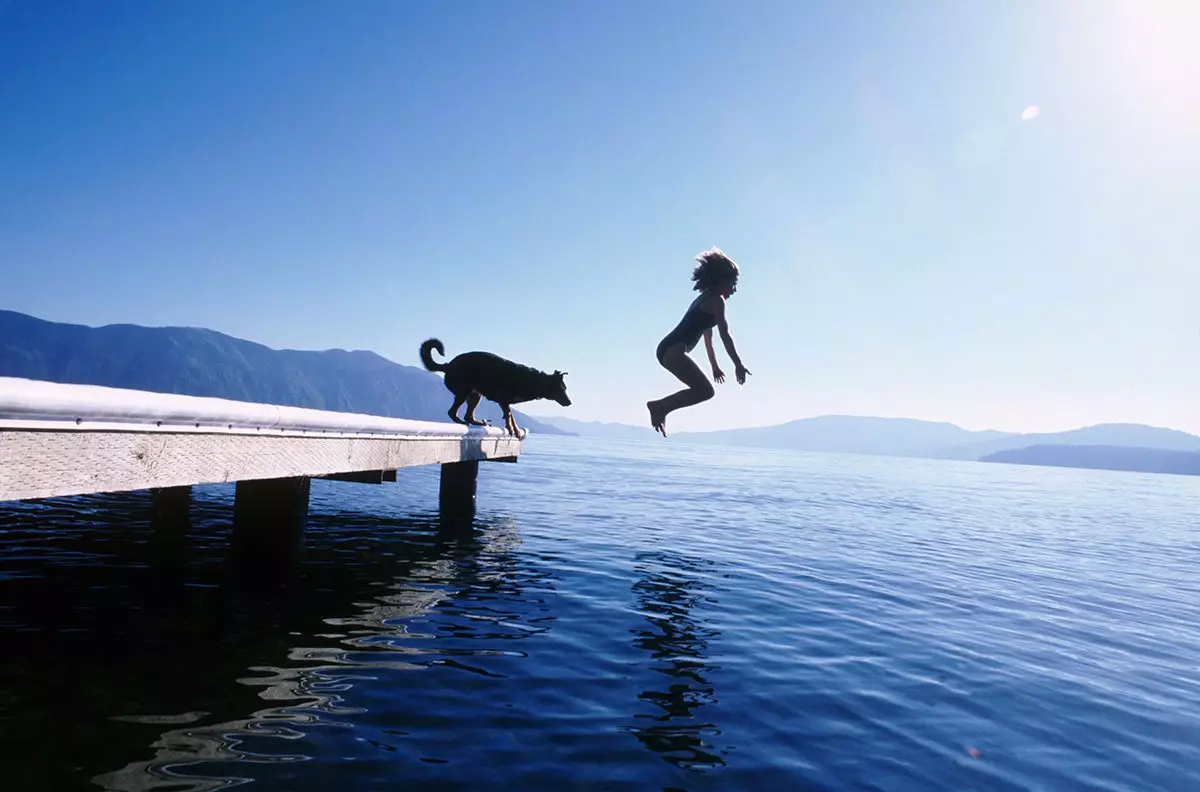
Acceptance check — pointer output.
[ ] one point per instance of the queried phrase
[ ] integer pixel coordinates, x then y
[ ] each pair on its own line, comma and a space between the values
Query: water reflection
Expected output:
669, 591
313, 696
112, 627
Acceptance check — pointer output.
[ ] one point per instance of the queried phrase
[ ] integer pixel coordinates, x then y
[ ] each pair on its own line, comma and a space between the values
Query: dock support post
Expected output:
268, 519
456, 495
170, 524
170, 511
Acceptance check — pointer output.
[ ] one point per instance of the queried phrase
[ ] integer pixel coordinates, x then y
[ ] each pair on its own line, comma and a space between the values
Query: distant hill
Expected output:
1122, 435
851, 435
600, 430
829, 433
903, 437
1145, 460
200, 362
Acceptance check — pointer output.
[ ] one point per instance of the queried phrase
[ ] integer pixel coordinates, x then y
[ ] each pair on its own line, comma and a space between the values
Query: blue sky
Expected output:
534, 178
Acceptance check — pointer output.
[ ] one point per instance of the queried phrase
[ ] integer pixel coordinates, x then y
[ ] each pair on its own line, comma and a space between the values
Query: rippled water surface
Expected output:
621, 616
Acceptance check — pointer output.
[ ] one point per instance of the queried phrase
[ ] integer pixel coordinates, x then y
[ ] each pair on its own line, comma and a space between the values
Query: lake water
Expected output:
623, 616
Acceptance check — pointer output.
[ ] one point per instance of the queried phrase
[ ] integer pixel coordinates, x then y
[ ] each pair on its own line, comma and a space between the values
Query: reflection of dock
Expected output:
190, 747
306, 685
58, 440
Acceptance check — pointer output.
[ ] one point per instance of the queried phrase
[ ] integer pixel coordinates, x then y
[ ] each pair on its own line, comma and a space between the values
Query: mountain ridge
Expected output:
203, 362
1123, 458
903, 437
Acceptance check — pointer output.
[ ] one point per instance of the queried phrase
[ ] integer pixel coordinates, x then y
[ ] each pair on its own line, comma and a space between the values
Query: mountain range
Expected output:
1114, 446
199, 362
1145, 460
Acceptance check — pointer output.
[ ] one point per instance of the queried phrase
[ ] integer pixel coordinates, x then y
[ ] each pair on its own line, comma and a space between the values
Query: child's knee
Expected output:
707, 391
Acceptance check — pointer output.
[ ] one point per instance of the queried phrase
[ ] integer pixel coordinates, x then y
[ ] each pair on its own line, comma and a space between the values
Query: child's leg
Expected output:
699, 388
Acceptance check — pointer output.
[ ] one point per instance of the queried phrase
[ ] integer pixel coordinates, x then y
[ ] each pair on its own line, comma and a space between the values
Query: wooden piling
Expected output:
269, 516
170, 510
456, 494
170, 524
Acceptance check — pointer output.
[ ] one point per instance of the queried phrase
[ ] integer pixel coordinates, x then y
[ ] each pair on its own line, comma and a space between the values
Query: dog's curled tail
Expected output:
427, 354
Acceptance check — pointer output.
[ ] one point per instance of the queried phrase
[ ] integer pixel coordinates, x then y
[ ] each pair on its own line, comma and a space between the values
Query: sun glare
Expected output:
1156, 42
1030, 113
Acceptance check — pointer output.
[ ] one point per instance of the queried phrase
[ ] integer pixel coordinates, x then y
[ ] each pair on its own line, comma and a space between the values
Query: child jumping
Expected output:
716, 279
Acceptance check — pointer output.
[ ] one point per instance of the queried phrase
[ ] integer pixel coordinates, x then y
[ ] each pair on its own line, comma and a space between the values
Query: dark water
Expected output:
622, 616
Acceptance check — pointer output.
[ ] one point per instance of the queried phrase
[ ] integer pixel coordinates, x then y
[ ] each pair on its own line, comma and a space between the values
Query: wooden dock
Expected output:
58, 440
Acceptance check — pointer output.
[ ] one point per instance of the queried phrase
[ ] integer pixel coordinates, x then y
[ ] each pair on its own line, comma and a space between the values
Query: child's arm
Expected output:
718, 375
740, 371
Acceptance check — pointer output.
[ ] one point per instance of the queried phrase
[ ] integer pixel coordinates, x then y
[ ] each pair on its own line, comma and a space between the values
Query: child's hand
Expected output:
741, 374
718, 375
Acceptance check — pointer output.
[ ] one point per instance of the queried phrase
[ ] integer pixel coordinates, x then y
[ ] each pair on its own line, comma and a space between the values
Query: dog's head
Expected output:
556, 388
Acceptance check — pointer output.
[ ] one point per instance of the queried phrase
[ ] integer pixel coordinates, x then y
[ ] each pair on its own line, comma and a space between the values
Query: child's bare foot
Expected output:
657, 419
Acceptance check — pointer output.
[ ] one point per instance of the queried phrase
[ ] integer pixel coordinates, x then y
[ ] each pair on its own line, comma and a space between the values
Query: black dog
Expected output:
474, 375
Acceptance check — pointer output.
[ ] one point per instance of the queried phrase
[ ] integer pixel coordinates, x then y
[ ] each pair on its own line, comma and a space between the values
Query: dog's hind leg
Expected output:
453, 411
473, 402
510, 421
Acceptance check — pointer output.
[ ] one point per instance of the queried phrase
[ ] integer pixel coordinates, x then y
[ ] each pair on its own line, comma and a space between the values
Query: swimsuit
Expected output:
690, 328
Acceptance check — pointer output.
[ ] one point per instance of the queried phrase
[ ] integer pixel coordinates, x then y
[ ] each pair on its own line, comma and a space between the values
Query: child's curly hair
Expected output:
714, 267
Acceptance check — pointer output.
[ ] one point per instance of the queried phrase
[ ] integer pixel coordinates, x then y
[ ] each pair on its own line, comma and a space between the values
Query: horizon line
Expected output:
552, 418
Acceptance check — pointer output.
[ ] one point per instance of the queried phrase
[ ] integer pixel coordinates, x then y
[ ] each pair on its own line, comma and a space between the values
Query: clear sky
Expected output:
534, 178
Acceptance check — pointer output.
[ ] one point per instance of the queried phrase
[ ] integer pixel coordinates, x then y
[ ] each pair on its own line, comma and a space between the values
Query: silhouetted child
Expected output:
716, 279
